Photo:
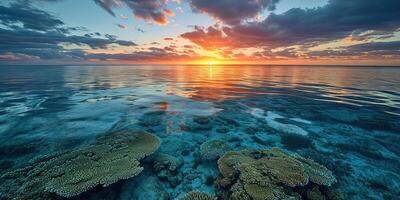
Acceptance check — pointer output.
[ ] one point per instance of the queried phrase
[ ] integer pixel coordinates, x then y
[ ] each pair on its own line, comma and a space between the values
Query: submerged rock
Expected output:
268, 174
295, 141
258, 140
213, 149
222, 129
151, 119
113, 157
201, 120
251, 130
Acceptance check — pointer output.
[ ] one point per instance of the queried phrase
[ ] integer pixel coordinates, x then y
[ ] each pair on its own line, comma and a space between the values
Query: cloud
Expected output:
122, 16
152, 54
140, 30
22, 14
307, 27
121, 26
17, 57
153, 11
210, 38
180, 9
368, 50
49, 45
46, 38
177, 1
33, 34
169, 12
232, 11
30, 39
108, 5
376, 46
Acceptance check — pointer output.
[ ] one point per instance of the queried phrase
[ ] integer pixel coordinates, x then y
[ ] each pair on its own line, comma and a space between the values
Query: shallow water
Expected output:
346, 118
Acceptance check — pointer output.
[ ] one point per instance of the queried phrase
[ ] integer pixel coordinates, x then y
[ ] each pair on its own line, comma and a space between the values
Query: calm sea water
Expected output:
345, 118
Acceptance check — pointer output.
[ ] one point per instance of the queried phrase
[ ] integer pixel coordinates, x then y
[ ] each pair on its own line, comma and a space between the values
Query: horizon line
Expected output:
191, 64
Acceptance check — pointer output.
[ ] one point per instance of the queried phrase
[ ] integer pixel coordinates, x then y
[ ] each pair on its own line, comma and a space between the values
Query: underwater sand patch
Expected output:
271, 120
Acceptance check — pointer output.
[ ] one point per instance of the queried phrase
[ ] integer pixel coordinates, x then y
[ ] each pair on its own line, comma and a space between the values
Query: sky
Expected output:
356, 32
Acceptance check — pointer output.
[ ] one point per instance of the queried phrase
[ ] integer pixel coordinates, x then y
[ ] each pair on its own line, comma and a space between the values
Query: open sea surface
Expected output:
344, 118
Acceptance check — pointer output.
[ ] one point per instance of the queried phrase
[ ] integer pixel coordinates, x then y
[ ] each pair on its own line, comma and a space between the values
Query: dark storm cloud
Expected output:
150, 10
232, 11
30, 18
336, 20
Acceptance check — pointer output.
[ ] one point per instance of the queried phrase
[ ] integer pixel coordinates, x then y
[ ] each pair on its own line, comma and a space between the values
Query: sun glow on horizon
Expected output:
212, 62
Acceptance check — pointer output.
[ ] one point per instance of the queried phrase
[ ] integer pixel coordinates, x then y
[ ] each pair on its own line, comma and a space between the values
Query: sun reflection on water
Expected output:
215, 81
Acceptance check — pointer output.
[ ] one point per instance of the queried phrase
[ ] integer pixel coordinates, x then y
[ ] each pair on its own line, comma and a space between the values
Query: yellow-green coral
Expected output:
259, 192
318, 173
195, 195
286, 170
238, 192
267, 174
111, 158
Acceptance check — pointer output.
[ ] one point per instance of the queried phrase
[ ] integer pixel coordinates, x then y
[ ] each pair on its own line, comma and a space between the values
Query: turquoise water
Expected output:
345, 118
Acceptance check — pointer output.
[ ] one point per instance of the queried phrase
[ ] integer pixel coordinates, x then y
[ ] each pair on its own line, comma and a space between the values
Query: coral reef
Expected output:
195, 195
213, 149
167, 167
113, 157
268, 174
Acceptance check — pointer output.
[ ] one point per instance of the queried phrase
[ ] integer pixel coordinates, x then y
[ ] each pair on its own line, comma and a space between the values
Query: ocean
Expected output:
232, 132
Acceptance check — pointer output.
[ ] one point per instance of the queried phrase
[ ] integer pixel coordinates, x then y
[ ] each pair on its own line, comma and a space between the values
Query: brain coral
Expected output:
268, 174
194, 195
113, 157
